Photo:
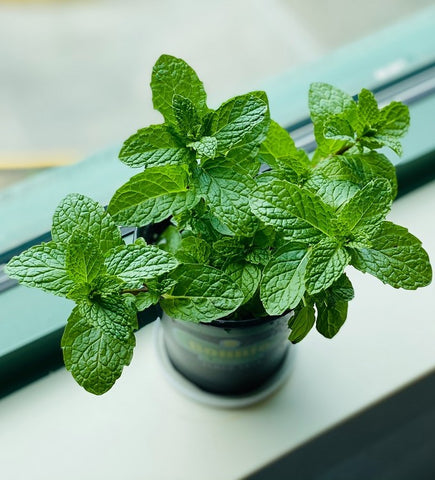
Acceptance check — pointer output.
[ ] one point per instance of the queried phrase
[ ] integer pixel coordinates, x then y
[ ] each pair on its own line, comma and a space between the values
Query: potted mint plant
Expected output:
247, 238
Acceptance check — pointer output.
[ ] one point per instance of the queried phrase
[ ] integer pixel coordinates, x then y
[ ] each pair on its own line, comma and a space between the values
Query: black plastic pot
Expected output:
228, 357
225, 356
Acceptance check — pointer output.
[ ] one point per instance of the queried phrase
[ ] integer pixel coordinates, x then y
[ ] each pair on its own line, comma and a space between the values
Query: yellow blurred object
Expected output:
34, 160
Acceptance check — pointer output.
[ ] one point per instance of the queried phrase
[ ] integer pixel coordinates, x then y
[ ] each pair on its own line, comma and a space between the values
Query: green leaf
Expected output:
156, 288
145, 300
258, 256
84, 260
339, 178
107, 285
336, 128
246, 276
279, 152
229, 247
154, 146
393, 124
325, 265
170, 239
187, 117
302, 324
331, 316
111, 315
80, 292
332, 192
282, 286
245, 153
295, 211
368, 112
206, 147
325, 101
396, 257
233, 121
139, 262
341, 290
369, 206
77, 211
94, 358
201, 294
42, 266
193, 250
173, 76
226, 191
152, 196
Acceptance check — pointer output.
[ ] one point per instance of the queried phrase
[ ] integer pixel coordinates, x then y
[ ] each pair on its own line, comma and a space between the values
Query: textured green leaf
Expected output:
42, 266
170, 239
233, 121
396, 257
368, 112
145, 299
279, 151
341, 290
369, 206
393, 124
187, 117
94, 358
202, 294
294, 210
325, 101
111, 315
80, 292
193, 250
337, 128
154, 146
332, 192
206, 147
208, 226
139, 262
326, 147
245, 153
84, 260
156, 288
152, 196
77, 211
283, 286
258, 256
173, 76
229, 247
302, 323
325, 265
246, 276
331, 316
337, 179
394, 119
227, 194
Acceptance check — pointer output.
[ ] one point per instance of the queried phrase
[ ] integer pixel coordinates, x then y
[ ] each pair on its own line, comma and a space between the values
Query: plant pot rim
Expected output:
244, 323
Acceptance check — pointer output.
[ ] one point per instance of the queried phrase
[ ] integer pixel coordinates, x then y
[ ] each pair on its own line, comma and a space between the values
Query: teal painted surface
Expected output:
28, 314
356, 65
26, 208
420, 138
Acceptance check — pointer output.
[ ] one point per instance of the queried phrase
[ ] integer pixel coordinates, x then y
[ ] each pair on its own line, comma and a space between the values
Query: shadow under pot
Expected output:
227, 357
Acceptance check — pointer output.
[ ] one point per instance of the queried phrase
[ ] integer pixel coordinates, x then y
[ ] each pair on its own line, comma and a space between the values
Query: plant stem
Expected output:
135, 291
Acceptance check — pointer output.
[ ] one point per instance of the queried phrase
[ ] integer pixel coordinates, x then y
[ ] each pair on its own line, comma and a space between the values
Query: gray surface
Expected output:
74, 75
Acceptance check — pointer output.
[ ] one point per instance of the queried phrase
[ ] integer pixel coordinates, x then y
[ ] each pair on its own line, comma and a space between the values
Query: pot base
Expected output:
192, 391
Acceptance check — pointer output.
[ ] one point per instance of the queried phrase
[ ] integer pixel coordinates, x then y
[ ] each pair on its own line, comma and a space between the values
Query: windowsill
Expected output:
145, 429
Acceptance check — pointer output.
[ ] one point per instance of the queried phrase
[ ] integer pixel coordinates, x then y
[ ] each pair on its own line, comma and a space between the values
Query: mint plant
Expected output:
254, 226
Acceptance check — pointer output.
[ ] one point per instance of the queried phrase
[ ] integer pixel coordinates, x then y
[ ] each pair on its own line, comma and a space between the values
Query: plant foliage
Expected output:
243, 241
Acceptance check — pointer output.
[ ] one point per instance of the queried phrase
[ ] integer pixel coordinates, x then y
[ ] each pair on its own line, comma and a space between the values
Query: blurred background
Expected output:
74, 75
